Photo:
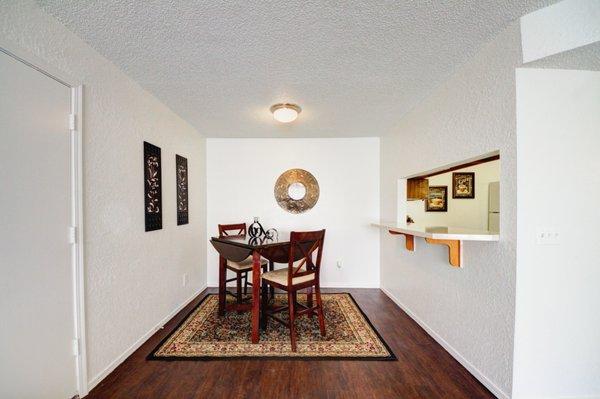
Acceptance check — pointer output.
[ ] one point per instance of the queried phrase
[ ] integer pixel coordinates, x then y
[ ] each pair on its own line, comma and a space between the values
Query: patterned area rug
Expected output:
203, 335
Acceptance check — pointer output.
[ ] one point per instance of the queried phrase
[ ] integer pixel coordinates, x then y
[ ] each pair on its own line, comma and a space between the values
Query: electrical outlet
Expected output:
339, 264
184, 280
548, 237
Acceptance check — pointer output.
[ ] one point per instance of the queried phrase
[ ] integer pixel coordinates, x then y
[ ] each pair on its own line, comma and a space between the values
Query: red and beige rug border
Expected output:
151, 355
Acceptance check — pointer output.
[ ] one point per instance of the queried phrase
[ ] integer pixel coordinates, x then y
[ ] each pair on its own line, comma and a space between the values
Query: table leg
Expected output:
264, 302
222, 287
255, 296
271, 288
238, 287
309, 300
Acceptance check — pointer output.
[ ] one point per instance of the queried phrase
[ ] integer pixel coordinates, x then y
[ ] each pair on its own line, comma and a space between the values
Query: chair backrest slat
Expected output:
238, 230
303, 247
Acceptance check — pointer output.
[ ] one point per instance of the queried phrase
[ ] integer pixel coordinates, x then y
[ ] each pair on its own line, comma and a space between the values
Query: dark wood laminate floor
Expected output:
423, 370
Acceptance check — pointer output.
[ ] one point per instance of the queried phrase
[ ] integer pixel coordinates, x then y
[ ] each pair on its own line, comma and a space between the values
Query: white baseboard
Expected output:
349, 285
455, 354
121, 358
325, 285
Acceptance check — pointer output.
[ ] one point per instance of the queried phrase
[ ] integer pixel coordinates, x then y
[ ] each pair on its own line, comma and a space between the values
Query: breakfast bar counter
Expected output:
452, 237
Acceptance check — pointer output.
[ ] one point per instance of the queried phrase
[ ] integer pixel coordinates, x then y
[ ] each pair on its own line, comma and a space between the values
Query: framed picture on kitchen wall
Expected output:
437, 199
152, 187
463, 185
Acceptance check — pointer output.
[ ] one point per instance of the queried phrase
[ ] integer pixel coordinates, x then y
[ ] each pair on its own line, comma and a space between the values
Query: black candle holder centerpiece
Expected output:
256, 229
272, 235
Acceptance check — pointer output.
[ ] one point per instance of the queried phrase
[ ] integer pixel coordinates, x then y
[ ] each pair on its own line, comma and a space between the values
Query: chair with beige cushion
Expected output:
241, 269
302, 272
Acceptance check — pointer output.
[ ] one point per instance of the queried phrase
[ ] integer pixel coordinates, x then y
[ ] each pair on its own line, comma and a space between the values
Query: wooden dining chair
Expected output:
302, 271
242, 268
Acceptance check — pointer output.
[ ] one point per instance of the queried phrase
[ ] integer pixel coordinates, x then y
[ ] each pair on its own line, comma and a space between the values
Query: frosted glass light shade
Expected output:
285, 113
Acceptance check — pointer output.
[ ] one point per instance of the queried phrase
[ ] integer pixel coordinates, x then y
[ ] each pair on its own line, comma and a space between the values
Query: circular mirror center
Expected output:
296, 191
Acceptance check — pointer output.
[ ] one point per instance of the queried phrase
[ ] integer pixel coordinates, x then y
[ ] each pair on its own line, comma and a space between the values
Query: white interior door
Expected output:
36, 280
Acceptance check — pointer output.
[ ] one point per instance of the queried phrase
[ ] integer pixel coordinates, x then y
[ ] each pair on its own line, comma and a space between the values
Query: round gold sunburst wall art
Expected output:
296, 190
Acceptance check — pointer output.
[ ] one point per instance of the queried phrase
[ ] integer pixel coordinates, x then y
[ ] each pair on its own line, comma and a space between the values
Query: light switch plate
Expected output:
548, 237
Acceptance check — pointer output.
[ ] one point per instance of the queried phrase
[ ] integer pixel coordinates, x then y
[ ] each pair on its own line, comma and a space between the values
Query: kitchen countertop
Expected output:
440, 232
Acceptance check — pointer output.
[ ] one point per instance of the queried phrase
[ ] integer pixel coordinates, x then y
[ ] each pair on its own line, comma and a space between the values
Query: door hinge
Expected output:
72, 235
72, 122
75, 347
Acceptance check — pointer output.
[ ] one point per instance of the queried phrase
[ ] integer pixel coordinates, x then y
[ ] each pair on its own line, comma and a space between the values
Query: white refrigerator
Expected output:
494, 206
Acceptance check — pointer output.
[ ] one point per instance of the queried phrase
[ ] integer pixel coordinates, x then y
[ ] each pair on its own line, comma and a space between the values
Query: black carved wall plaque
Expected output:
182, 189
152, 187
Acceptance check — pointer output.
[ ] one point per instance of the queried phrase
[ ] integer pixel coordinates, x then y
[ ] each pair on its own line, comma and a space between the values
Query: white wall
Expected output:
470, 311
469, 213
241, 174
557, 326
560, 27
133, 279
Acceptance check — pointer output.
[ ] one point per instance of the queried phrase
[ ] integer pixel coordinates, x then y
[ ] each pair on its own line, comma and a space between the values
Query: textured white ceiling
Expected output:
354, 66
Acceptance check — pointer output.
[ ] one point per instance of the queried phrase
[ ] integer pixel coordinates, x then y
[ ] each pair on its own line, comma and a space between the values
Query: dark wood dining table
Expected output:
238, 248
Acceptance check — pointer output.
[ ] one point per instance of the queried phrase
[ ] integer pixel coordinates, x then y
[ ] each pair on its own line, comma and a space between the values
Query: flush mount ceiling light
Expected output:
285, 113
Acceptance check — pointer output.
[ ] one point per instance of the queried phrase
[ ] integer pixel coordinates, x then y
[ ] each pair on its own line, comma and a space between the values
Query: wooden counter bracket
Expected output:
410, 240
454, 250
